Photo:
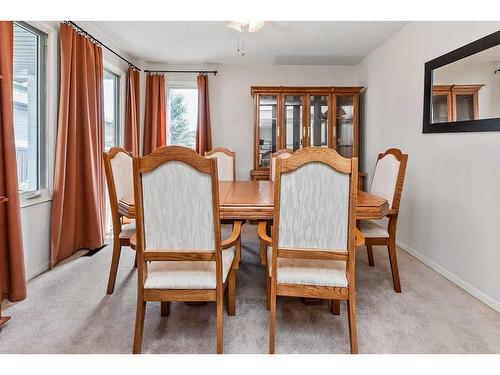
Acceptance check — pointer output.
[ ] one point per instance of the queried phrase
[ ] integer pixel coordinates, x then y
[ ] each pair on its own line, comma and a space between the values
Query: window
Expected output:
111, 109
182, 111
29, 90
111, 123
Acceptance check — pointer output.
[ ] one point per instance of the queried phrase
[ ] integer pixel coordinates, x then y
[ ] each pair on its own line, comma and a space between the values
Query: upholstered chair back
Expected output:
178, 193
121, 169
385, 177
315, 191
281, 154
226, 161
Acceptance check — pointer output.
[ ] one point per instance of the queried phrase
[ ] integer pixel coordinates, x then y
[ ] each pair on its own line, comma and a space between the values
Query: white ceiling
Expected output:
211, 42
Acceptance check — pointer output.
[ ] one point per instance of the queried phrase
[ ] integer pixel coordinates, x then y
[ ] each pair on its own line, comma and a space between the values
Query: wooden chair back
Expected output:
226, 163
389, 176
119, 179
315, 201
283, 153
177, 208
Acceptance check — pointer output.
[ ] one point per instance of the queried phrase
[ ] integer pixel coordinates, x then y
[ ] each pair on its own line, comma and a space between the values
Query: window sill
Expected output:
34, 198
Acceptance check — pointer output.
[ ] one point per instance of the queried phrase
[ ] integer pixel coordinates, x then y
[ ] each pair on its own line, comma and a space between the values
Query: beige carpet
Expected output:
67, 311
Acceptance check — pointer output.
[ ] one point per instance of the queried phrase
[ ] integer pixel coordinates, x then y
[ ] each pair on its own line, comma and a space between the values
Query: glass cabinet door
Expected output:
268, 111
440, 108
318, 133
345, 126
293, 108
464, 107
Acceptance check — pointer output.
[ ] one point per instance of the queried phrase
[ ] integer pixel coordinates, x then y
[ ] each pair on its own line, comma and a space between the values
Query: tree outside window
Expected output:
183, 114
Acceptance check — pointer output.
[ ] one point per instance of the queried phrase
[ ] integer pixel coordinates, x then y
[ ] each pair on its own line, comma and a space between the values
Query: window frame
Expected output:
42, 193
120, 129
118, 106
187, 84
121, 100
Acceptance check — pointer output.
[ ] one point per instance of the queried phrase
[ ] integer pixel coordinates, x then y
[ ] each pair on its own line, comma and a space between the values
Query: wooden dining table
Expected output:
253, 200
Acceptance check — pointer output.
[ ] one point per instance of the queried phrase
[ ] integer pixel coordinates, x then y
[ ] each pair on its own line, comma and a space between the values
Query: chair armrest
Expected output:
231, 241
263, 233
133, 241
359, 239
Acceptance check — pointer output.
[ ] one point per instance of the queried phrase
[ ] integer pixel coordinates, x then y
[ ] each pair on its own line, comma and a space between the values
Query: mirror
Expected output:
462, 88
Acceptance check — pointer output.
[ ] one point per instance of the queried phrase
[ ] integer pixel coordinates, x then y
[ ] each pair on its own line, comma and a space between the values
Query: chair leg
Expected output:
394, 265
165, 308
263, 259
335, 308
263, 246
231, 293
353, 336
114, 266
220, 303
139, 325
369, 250
238, 253
268, 299
272, 319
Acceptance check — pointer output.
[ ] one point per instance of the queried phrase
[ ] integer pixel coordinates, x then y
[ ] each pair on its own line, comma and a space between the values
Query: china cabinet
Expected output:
455, 103
296, 117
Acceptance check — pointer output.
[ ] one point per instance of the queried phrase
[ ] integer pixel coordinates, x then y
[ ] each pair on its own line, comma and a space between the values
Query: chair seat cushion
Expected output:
309, 271
188, 274
372, 229
128, 230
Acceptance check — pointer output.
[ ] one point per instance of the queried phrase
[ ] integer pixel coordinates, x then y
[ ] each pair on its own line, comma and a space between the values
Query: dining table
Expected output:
254, 200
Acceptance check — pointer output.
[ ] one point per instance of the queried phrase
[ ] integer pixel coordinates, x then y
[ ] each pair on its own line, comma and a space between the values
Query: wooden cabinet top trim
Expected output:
304, 89
455, 88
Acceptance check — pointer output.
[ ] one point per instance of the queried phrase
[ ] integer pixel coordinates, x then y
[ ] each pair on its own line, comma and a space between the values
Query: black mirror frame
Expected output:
484, 125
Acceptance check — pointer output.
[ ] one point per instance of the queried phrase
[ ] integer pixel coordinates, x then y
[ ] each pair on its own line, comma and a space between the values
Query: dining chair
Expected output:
280, 154
120, 182
181, 256
284, 153
387, 183
226, 167
226, 163
311, 252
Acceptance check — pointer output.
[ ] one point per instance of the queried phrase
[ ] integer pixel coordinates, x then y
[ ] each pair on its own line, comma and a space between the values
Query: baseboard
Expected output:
494, 304
38, 270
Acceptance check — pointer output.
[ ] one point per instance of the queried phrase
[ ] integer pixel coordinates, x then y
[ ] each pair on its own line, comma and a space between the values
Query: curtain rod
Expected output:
100, 43
214, 72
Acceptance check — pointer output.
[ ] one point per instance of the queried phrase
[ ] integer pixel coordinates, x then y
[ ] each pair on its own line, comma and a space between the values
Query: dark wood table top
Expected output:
253, 200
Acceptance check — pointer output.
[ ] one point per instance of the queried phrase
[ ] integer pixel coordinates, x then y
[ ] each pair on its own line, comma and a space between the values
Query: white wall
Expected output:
451, 203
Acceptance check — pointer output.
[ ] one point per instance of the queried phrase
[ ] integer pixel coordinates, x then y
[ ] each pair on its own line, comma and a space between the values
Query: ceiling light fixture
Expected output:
241, 49
250, 26
242, 26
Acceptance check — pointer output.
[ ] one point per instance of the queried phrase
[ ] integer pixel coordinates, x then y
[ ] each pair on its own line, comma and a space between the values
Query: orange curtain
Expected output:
155, 120
132, 112
203, 131
12, 277
78, 199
